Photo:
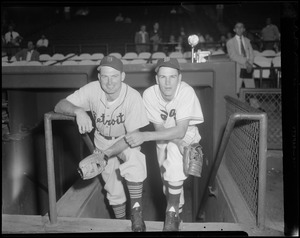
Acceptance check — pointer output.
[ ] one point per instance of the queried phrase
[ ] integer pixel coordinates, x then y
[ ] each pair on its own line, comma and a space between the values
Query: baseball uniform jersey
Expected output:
113, 120
185, 105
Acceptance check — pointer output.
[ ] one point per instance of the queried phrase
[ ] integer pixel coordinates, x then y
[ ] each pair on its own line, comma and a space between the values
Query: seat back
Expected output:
262, 62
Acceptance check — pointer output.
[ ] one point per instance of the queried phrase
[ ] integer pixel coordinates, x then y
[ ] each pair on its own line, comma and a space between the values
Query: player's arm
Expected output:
175, 134
83, 120
118, 147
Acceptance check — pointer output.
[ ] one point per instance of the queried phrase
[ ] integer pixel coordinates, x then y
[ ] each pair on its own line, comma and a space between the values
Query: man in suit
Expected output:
29, 54
240, 50
142, 37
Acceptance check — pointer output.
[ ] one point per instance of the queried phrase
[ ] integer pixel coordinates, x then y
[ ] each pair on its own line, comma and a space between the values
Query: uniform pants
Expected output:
130, 164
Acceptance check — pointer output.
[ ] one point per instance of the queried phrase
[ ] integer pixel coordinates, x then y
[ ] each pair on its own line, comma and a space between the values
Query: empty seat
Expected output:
50, 62
176, 55
262, 62
256, 53
124, 61
4, 63
218, 52
97, 56
158, 55
182, 60
85, 56
69, 62
187, 55
34, 63
268, 53
144, 55
19, 63
4, 59
87, 62
276, 61
138, 61
57, 57
116, 54
45, 57
130, 56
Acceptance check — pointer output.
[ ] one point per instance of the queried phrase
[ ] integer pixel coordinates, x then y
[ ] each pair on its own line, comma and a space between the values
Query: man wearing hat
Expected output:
174, 109
116, 109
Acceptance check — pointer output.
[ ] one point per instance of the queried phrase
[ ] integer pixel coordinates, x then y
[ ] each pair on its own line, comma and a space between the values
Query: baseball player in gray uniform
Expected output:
116, 109
174, 109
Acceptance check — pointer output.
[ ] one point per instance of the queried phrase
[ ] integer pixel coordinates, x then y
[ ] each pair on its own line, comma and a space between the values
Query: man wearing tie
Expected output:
240, 50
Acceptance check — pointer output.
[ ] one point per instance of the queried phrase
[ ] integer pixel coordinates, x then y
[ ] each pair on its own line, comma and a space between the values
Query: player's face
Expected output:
168, 79
111, 81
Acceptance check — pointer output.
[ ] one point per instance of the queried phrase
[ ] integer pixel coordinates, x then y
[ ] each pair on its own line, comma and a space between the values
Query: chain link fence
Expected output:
269, 101
243, 158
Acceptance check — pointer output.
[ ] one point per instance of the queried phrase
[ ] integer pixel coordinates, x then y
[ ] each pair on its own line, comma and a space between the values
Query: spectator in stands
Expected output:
228, 35
12, 40
155, 37
201, 37
67, 12
29, 54
240, 50
208, 38
42, 44
142, 37
183, 38
173, 44
270, 33
119, 18
127, 20
222, 42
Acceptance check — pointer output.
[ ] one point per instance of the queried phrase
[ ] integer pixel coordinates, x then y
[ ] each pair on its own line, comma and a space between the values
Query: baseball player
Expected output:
174, 109
116, 110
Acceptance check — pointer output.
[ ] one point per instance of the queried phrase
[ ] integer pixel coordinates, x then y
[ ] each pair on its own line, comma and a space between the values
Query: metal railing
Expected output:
48, 118
243, 116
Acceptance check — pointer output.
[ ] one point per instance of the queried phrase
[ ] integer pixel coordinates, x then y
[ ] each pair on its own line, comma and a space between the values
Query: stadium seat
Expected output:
130, 56
182, 60
144, 55
85, 56
87, 62
57, 56
5, 63
268, 53
176, 55
124, 61
158, 55
19, 63
116, 54
218, 52
69, 62
45, 57
12, 59
97, 56
138, 61
34, 63
256, 53
187, 55
262, 62
4, 59
276, 61
50, 62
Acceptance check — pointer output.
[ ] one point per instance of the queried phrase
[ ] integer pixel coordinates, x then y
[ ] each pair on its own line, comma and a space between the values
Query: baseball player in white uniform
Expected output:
116, 110
174, 109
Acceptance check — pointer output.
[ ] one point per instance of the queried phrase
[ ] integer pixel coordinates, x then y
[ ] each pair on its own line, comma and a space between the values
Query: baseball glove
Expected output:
193, 160
92, 165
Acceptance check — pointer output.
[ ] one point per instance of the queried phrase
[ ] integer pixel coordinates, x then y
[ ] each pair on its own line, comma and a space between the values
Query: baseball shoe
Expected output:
172, 222
138, 224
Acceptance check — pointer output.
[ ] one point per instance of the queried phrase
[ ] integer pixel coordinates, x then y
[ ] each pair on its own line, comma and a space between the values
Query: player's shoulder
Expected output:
151, 90
185, 87
131, 92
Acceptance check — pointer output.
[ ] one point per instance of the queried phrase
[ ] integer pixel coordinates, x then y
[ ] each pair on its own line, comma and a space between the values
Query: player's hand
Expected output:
135, 138
83, 120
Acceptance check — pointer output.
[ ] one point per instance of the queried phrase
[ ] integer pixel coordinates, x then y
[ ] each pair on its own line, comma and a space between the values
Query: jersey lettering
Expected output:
117, 120
164, 114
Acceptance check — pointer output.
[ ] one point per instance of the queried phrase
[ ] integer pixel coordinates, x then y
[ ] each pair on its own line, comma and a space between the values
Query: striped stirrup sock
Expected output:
120, 211
135, 191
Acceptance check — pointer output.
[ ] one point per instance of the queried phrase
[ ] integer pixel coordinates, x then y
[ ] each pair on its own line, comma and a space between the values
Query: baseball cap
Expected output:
167, 62
111, 61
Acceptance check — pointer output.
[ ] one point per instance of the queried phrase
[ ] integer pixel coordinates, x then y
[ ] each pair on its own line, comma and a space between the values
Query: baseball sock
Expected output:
174, 191
120, 211
135, 191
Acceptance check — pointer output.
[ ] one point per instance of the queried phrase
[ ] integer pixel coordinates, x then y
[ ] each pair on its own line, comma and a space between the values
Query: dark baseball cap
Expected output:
111, 61
167, 62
